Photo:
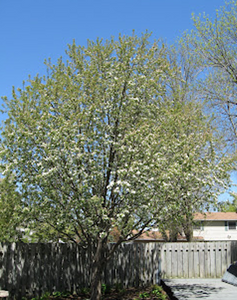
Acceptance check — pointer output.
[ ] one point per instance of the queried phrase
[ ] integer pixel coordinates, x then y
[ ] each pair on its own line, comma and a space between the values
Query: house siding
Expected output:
216, 230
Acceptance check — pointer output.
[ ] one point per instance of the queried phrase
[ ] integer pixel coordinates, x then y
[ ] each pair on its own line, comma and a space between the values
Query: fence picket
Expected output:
32, 269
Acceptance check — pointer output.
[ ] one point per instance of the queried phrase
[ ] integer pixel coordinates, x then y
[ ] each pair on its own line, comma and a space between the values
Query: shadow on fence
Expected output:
30, 270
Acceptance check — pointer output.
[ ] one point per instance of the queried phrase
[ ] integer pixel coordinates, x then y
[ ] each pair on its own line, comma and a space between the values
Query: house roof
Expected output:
216, 216
154, 235
149, 235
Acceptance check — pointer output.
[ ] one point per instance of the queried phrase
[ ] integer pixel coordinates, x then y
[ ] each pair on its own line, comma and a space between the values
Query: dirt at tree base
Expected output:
124, 294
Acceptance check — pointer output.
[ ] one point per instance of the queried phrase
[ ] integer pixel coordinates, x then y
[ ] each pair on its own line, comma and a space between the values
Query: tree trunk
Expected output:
173, 235
189, 236
164, 234
98, 267
188, 231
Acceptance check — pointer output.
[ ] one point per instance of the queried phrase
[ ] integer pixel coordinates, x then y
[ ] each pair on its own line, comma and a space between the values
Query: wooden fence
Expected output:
197, 260
31, 269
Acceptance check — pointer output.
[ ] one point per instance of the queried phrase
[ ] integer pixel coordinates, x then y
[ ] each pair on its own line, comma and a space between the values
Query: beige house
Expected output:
216, 226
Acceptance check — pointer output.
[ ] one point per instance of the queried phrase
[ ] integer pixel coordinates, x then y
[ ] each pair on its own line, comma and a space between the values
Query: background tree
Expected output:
15, 223
99, 144
196, 172
229, 205
187, 68
10, 208
214, 43
198, 147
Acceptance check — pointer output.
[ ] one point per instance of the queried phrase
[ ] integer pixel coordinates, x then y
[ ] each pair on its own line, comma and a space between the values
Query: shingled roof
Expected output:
216, 216
156, 236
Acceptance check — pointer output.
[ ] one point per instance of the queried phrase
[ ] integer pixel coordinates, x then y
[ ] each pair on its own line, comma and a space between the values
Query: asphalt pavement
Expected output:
196, 289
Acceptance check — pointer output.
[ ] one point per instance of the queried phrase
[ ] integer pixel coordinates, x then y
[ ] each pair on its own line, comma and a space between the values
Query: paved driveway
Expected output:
193, 289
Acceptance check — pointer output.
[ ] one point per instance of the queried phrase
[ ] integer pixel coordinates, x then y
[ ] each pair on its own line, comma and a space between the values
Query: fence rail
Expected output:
32, 269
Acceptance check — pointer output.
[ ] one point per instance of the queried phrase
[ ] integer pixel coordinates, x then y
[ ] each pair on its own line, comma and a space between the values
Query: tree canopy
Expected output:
10, 210
102, 143
213, 45
229, 205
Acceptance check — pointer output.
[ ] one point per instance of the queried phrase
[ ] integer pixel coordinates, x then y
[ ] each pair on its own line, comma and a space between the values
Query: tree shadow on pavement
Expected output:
187, 291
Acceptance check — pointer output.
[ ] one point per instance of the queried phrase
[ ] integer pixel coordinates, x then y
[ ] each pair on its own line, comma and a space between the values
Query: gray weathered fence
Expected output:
32, 269
197, 260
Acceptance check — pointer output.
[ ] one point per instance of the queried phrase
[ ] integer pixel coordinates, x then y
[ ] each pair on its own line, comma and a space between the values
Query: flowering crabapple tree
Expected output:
196, 171
87, 144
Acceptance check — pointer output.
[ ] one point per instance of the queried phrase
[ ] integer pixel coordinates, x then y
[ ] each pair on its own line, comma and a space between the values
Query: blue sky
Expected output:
34, 30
